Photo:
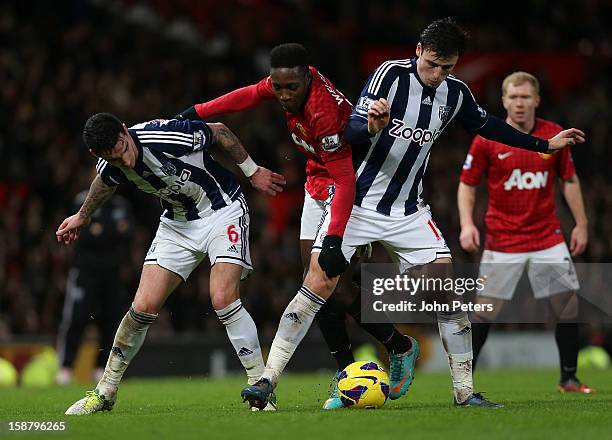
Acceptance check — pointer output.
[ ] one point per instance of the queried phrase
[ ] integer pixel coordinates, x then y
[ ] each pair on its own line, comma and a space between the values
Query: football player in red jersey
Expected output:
522, 227
316, 114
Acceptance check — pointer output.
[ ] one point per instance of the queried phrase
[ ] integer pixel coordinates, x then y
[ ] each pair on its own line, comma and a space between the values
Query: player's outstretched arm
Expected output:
235, 101
466, 199
261, 178
571, 136
70, 228
498, 130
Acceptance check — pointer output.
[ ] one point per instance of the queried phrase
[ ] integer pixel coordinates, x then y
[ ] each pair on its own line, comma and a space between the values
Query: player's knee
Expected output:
223, 296
146, 303
145, 306
568, 308
318, 282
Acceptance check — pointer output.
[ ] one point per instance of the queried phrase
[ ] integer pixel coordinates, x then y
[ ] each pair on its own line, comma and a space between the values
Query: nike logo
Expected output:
398, 387
502, 156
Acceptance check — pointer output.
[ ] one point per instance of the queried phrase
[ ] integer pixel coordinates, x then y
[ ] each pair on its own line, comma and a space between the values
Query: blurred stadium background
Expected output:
142, 60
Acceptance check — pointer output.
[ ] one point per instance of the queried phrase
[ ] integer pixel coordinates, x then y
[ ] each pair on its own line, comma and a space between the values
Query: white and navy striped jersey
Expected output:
173, 164
391, 165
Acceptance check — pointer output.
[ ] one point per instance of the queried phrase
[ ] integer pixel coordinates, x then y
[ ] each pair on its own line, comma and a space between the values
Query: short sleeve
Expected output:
565, 164
329, 136
109, 174
182, 136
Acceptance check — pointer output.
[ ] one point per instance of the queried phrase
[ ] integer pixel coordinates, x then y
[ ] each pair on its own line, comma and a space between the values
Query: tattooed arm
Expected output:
229, 142
98, 194
261, 178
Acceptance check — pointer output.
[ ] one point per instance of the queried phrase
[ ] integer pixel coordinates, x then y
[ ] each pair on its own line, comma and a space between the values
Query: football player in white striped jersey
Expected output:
402, 110
205, 213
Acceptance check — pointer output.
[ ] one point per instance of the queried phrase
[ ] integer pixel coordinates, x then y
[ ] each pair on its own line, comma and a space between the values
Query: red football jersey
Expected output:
314, 130
521, 214
318, 129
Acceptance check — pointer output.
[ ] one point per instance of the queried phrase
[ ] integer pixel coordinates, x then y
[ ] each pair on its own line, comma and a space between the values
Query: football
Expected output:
363, 384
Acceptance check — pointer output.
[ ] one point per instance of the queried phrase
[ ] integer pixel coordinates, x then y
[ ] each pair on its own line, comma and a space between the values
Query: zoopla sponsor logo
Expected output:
418, 135
177, 186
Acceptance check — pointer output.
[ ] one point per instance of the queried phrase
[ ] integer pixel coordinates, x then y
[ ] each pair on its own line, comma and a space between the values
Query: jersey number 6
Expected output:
232, 234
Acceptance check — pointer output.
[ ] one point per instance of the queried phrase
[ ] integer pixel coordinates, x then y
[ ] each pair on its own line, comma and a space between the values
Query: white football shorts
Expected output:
224, 235
550, 272
312, 213
411, 241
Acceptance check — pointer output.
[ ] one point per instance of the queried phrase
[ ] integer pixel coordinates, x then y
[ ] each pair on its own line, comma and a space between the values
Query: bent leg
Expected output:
297, 318
239, 325
156, 283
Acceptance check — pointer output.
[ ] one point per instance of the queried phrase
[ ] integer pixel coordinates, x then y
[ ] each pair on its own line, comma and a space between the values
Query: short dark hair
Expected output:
101, 132
289, 55
444, 37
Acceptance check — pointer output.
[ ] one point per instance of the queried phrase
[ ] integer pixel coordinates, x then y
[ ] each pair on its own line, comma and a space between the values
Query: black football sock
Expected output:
332, 322
566, 335
384, 332
480, 331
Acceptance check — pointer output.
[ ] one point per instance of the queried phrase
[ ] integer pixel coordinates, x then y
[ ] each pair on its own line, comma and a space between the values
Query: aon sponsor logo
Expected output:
418, 135
526, 180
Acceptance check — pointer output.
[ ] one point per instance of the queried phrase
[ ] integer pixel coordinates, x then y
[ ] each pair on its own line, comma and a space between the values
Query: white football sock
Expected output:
128, 340
242, 332
456, 334
293, 326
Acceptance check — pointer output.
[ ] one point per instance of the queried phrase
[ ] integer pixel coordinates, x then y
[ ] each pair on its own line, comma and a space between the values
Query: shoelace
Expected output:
333, 386
396, 368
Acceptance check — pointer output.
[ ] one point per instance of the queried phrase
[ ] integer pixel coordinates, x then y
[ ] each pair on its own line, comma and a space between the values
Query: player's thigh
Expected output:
317, 280
305, 252
551, 272
227, 240
436, 276
177, 246
224, 284
489, 308
156, 283
348, 287
500, 273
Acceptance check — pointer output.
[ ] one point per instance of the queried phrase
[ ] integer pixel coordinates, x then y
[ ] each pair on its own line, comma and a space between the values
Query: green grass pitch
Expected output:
184, 408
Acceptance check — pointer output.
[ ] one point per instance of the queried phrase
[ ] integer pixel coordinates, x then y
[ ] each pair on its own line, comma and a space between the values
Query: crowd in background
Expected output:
147, 60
